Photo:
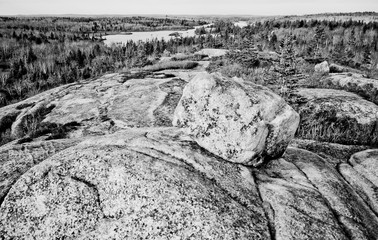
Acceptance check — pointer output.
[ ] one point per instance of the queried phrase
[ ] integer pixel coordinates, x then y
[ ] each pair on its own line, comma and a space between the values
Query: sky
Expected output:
192, 7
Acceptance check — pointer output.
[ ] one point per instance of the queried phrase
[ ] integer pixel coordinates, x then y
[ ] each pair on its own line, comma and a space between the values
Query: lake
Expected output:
241, 24
144, 36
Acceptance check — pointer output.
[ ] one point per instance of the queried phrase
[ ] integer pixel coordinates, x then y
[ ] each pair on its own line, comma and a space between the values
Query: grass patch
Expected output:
171, 65
258, 75
326, 126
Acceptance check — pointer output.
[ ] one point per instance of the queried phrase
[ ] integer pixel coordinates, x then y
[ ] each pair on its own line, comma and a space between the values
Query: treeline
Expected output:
34, 68
351, 14
351, 43
87, 25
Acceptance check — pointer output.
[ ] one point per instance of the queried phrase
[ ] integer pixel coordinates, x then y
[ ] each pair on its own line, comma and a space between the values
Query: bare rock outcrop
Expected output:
353, 82
60, 118
16, 159
158, 183
212, 52
238, 121
362, 174
96, 107
123, 172
335, 153
134, 184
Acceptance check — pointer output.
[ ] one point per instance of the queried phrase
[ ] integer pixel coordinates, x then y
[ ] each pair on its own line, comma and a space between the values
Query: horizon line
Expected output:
162, 14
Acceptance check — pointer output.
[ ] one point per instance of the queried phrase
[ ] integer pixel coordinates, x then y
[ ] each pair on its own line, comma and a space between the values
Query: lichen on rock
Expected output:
238, 121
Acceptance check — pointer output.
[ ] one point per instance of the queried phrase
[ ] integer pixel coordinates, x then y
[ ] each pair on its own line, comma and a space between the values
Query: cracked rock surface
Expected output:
104, 162
97, 107
60, 118
124, 189
157, 183
16, 159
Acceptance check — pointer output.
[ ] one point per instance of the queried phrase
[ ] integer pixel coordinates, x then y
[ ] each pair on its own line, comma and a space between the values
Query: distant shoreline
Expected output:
106, 33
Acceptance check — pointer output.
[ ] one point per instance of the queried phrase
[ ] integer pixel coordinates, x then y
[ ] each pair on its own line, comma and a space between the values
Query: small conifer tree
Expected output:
320, 39
287, 56
246, 54
367, 61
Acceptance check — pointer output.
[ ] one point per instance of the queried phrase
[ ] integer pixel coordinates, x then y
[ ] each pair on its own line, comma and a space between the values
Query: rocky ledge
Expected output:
101, 160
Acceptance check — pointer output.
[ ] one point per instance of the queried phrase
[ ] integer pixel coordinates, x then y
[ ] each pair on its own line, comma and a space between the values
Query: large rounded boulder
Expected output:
238, 121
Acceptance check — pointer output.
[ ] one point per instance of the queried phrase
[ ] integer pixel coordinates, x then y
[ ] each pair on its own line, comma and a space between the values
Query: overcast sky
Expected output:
250, 7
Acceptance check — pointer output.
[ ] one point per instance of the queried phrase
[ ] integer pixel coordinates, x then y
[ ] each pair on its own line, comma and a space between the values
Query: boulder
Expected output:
238, 121
157, 183
335, 116
322, 68
353, 82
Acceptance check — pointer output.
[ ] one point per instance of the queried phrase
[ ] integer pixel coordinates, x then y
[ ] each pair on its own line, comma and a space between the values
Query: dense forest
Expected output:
38, 53
299, 44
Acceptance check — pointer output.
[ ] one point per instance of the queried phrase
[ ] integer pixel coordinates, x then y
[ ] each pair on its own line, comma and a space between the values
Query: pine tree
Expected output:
339, 53
287, 56
18, 69
367, 57
246, 54
349, 54
320, 35
287, 62
351, 48
320, 40
352, 40
31, 57
273, 40
141, 60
